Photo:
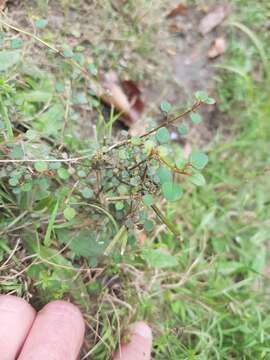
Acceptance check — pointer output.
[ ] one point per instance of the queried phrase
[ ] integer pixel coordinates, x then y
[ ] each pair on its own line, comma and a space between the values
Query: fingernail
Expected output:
142, 329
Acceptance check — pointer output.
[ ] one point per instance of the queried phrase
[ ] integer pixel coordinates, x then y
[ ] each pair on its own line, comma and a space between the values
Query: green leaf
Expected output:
9, 59
87, 193
80, 99
17, 152
41, 166
59, 87
31, 134
69, 213
148, 225
198, 160
180, 163
136, 140
92, 69
197, 179
171, 191
122, 189
204, 98
26, 187
210, 101
159, 259
81, 173
164, 174
63, 173
195, 118
123, 154
51, 120
68, 54
37, 96
119, 205
148, 200
84, 243
201, 95
41, 23
165, 106
163, 135
13, 181
183, 129
54, 165
16, 43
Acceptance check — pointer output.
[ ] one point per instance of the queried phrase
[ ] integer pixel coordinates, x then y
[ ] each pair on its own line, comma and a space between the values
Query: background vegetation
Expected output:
66, 225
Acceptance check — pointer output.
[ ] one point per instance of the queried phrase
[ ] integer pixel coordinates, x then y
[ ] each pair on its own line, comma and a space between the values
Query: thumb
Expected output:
139, 347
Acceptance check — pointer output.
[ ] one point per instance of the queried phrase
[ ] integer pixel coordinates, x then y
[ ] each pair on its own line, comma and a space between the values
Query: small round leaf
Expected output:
41, 166
171, 191
87, 193
119, 205
183, 129
163, 135
63, 173
148, 200
41, 23
148, 225
195, 118
197, 179
201, 96
69, 213
210, 101
164, 174
165, 106
136, 140
198, 160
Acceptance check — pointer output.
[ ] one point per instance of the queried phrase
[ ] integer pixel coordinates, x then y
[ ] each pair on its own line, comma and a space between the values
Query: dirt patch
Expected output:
177, 67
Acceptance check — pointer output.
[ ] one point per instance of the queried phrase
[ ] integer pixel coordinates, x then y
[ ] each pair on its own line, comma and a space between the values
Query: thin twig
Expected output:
170, 121
8, 161
163, 124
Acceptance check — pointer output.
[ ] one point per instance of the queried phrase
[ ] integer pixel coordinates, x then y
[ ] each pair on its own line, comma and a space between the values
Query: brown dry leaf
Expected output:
212, 19
125, 96
180, 9
175, 29
133, 94
218, 48
171, 51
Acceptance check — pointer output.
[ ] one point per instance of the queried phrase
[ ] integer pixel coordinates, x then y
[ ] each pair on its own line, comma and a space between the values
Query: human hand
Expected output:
56, 333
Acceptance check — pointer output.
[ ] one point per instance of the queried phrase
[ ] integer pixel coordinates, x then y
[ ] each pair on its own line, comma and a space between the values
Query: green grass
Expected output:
214, 304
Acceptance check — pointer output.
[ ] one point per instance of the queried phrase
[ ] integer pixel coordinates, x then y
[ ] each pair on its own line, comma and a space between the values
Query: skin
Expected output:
56, 333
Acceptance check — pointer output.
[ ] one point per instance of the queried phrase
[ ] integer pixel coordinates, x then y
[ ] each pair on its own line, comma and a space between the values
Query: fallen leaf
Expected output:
180, 9
125, 96
171, 52
218, 48
175, 29
212, 19
134, 97
138, 128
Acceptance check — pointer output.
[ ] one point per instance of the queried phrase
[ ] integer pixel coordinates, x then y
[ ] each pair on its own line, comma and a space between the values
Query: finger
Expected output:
16, 319
139, 347
57, 333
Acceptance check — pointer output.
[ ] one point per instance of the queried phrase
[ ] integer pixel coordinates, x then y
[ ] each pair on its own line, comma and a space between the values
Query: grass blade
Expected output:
47, 239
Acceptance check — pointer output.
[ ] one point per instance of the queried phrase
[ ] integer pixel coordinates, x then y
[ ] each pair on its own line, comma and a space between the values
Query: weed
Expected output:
71, 208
